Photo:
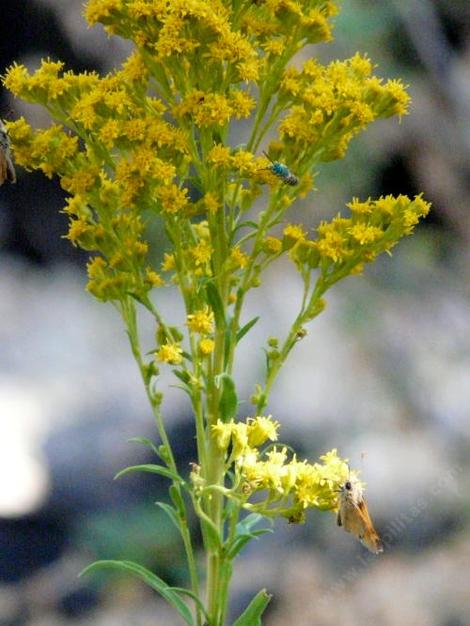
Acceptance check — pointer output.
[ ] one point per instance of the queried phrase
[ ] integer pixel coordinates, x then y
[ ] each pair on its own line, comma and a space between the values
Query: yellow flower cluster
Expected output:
122, 266
171, 32
244, 436
280, 25
329, 105
129, 158
149, 138
290, 486
214, 109
108, 282
295, 485
241, 161
50, 150
375, 226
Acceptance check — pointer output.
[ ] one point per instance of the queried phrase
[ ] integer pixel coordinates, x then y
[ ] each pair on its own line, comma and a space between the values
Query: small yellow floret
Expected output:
239, 439
260, 429
168, 262
201, 321
219, 155
239, 258
172, 198
170, 353
222, 434
153, 278
211, 202
295, 232
272, 245
206, 346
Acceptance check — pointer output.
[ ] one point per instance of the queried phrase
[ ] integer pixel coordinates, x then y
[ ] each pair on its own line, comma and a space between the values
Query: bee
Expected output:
7, 169
353, 516
282, 171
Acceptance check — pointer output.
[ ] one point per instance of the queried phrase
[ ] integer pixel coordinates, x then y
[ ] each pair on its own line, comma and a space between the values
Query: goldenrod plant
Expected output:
147, 148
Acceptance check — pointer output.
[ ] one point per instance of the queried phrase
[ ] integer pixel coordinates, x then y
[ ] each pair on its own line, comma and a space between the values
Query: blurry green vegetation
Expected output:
142, 533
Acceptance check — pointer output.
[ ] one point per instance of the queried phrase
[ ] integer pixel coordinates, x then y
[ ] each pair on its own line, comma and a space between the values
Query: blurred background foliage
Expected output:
383, 374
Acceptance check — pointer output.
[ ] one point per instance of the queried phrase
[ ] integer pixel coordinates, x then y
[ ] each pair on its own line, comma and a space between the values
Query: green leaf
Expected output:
151, 579
216, 303
172, 514
184, 388
228, 402
244, 534
177, 499
183, 375
248, 522
240, 542
190, 594
251, 616
246, 223
136, 297
153, 469
248, 326
145, 442
211, 535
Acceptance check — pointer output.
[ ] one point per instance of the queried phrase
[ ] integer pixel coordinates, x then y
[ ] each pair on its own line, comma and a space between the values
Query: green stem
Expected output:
226, 569
215, 474
291, 339
129, 315
214, 471
263, 227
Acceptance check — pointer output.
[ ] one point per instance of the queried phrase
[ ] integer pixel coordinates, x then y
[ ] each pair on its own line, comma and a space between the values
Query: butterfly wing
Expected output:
355, 518
369, 538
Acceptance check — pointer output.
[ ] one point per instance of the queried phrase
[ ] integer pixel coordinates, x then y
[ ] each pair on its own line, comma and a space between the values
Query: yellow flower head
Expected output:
153, 278
239, 439
260, 429
211, 202
222, 434
206, 346
168, 262
272, 245
294, 232
201, 253
201, 321
170, 353
238, 257
173, 199
219, 155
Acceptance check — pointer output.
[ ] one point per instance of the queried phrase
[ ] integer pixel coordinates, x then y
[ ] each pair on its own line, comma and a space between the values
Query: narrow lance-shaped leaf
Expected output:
245, 533
216, 303
246, 328
151, 579
146, 442
153, 469
251, 616
240, 542
172, 514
